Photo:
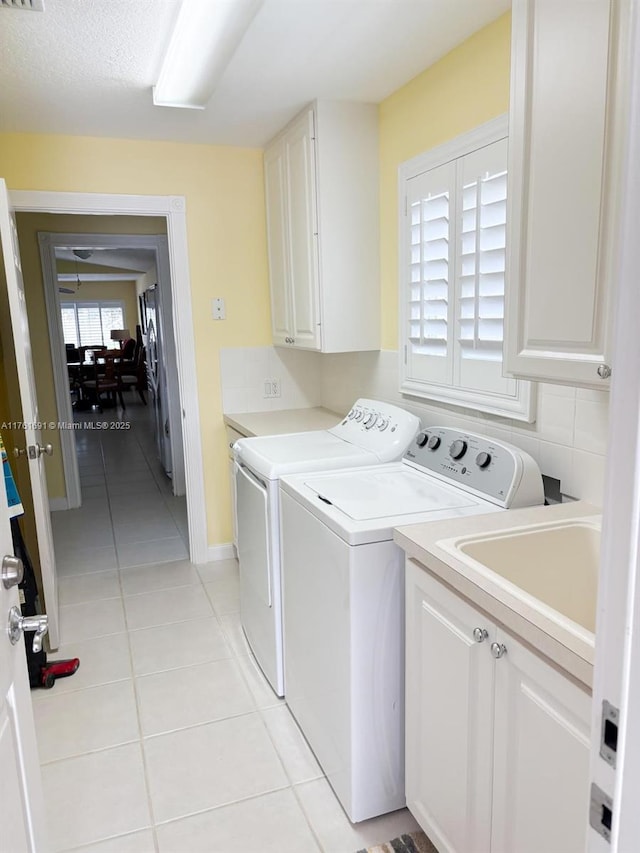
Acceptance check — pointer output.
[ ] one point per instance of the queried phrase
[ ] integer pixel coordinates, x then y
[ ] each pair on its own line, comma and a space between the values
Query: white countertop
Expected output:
421, 544
282, 421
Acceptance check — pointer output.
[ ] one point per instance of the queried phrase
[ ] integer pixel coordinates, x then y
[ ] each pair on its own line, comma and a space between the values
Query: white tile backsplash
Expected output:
243, 371
567, 440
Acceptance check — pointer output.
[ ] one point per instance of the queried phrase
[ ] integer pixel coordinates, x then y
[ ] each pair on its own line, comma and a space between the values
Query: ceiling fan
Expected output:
83, 254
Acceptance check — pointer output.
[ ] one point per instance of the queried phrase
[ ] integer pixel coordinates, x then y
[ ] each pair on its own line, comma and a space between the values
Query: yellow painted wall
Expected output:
223, 188
467, 87
96, 291
225, 210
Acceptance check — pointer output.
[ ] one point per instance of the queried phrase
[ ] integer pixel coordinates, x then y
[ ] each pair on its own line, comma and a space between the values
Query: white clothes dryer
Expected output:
343, 593
371, 433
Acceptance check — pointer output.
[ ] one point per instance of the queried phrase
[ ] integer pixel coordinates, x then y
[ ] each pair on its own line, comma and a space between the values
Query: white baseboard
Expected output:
57, 504
226, 551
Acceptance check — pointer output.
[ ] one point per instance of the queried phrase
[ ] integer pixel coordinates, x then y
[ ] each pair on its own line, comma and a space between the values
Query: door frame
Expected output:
48, 243
173, 209
616, 676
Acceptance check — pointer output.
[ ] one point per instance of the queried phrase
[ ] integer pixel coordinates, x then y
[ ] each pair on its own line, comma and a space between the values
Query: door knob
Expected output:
18, 624
12, 571
44, 448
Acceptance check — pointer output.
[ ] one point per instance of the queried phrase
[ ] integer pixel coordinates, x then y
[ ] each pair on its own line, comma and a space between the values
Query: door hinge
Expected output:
405, 353
406, 207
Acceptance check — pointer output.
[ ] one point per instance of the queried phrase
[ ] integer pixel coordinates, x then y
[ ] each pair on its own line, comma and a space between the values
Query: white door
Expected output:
541, 756
449, 714
303, 232
22, 823
275, 192
617, 662
32, 435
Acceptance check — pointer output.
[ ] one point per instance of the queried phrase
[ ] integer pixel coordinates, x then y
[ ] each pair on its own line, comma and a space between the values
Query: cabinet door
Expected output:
276, 197
449, 715
559, 221
302, 222
541, 756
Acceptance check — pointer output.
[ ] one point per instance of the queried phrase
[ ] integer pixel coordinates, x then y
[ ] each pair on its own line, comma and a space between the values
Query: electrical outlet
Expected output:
271, 388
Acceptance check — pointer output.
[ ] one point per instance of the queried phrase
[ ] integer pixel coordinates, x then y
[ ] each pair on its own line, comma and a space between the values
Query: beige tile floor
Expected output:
168, 738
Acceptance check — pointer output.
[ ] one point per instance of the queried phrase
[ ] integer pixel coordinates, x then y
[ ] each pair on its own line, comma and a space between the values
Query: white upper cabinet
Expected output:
321, 182
563, 161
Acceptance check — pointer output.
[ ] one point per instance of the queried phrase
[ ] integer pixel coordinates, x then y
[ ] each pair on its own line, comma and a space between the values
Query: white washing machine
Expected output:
372, 432
343, 593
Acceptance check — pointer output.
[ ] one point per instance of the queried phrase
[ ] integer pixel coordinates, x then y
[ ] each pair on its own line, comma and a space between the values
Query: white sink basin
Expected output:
550, 568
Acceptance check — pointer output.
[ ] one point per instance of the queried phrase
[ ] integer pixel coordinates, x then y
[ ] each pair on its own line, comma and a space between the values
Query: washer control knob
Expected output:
359, 414
383, 423
422, 438
483, 459
351, 414
434, 442
371, 420
458, 449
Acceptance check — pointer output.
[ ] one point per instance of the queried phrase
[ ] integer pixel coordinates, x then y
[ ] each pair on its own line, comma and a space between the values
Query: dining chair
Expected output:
106, 378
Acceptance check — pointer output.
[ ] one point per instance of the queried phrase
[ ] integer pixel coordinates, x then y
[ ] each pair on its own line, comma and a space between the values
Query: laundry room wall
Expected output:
468, 86
224, 193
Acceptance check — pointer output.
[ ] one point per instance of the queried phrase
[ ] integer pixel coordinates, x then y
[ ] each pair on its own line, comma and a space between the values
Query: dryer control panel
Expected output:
487, 467
380, 427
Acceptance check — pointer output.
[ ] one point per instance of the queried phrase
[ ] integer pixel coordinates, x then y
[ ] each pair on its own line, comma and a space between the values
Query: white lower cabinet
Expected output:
497, 748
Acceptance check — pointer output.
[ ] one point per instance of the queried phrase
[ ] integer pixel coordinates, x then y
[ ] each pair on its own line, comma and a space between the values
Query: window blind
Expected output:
429, 291
90, 323
482, 267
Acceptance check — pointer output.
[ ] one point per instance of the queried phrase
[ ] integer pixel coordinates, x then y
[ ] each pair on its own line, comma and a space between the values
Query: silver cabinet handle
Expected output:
498, 650
12, 571
480, 634
44, 448
18, 624
604, 371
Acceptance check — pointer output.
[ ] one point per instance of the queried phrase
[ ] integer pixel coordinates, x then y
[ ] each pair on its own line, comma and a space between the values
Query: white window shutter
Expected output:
90, 323
430, 273
452, 272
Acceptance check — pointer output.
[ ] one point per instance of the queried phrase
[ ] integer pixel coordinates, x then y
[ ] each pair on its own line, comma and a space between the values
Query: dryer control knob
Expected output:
458, 449
483, 459
359, 414
383, 423
351, 414
371, 420
422, 438
434, 442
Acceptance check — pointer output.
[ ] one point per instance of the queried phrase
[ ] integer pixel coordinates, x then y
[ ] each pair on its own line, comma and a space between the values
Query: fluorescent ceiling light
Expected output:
205, 38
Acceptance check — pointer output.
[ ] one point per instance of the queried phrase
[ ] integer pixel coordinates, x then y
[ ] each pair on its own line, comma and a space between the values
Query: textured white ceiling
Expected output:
86, 67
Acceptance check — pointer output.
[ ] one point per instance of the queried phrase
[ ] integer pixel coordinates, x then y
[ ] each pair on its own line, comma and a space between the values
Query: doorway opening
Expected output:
171, 260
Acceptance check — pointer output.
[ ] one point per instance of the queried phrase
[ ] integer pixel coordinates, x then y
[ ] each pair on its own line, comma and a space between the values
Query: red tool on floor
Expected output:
57, 669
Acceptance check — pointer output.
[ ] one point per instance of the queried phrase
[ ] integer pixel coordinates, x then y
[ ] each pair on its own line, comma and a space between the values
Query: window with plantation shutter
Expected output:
452, 275
88, 323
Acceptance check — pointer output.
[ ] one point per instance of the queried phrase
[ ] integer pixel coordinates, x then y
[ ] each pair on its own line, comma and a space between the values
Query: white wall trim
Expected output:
58, 504
481, 136
227, 551
174, 211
